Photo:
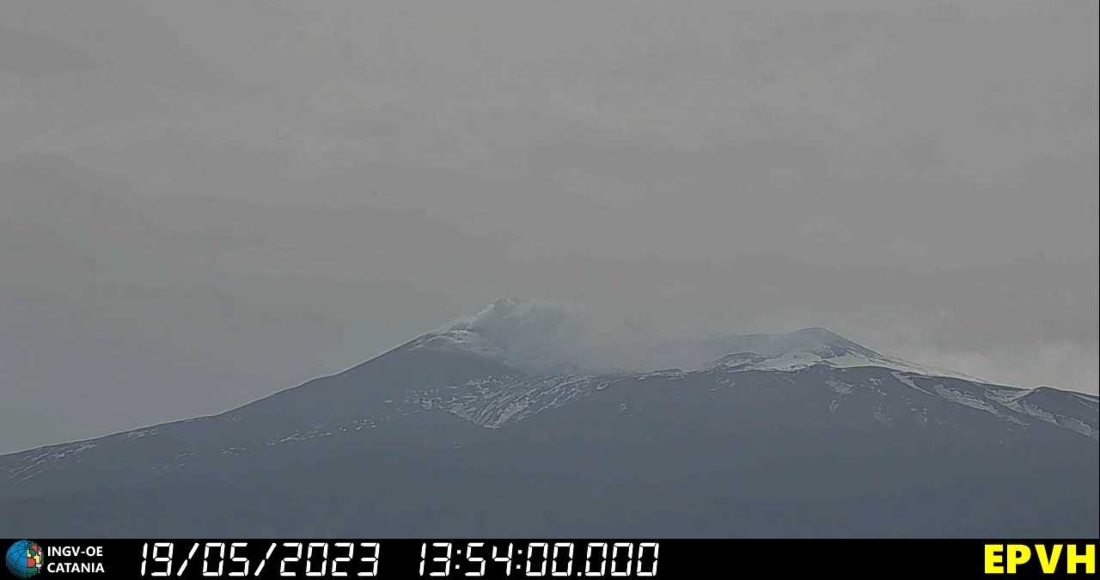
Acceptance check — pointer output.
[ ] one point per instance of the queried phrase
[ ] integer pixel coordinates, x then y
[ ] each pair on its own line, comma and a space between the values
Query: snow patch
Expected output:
1072, 423
73, 450
1081, 427
839, 387
1033, 410
802, 359
909, 383
492, 404
964, 398
1004, 396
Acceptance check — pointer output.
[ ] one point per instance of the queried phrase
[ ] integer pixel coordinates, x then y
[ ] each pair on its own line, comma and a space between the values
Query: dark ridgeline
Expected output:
436, 438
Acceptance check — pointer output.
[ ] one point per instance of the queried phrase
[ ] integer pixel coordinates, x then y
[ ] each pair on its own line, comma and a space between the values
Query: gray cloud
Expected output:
204, 202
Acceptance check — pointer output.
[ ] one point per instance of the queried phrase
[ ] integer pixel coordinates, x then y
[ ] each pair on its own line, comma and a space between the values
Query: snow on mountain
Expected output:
813, 346
495, 401
533, 336
806, 423
544, 343
549, 338
547, 349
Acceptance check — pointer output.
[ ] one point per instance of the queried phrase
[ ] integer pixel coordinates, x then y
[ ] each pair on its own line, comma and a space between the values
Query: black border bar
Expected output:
665, 559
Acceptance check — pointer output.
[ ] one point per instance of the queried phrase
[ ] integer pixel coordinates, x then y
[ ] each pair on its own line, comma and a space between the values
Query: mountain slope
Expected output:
448, 435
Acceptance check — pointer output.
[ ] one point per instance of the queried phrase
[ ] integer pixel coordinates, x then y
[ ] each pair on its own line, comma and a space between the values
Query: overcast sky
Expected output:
203, 202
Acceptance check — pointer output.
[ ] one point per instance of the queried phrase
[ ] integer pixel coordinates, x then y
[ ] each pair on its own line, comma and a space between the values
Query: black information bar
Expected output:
406, 559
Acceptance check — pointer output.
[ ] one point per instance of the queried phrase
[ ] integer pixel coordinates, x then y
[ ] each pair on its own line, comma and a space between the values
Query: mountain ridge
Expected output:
718, 450
486, 334
450, 337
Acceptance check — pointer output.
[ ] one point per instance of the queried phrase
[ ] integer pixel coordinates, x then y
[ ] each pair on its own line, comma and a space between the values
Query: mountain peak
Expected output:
546, 338
807, 347
820, 333
824, 337
530, 335
814, 340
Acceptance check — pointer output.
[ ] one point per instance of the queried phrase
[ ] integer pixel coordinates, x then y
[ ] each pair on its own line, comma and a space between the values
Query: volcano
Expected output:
484, 428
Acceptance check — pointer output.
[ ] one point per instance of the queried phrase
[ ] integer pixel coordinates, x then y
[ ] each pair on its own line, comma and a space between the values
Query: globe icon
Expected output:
24, 559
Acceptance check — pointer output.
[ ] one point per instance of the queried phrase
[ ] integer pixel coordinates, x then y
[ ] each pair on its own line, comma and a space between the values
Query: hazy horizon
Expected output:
203, 203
